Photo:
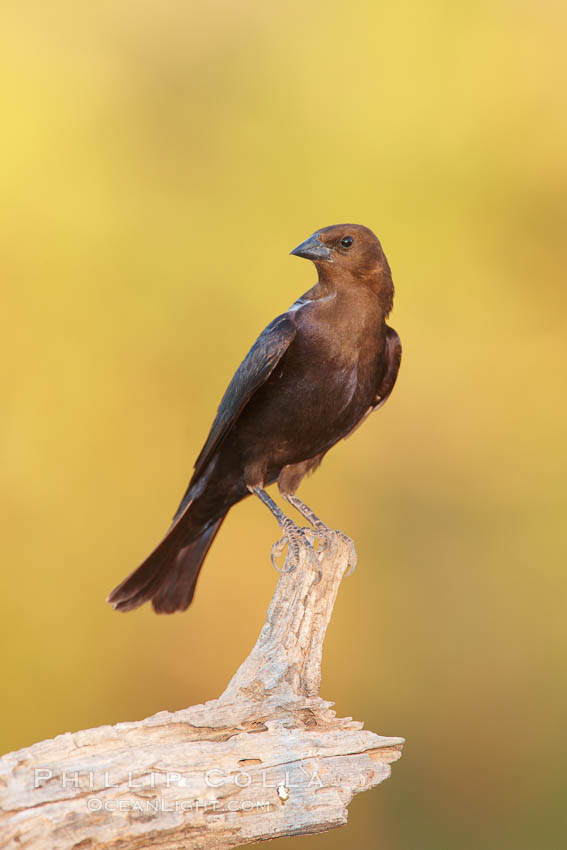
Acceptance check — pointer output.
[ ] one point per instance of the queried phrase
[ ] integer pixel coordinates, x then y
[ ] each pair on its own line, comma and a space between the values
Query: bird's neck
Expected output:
379, 282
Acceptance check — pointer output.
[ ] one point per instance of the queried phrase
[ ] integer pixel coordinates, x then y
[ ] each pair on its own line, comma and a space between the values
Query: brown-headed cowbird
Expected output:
309, 380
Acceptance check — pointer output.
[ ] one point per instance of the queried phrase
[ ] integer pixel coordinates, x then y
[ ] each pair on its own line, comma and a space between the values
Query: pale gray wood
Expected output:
269, 758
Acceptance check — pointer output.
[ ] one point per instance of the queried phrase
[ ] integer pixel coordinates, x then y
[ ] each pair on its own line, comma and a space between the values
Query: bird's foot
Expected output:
329, 540
325, 536
294, 538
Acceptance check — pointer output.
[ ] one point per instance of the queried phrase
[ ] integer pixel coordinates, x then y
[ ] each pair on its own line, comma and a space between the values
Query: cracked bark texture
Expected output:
268, 759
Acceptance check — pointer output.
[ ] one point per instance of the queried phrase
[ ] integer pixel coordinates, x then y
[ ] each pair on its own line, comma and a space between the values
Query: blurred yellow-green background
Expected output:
159, 160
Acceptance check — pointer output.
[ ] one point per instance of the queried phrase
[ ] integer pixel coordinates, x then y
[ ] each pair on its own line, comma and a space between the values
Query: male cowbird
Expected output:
309, 380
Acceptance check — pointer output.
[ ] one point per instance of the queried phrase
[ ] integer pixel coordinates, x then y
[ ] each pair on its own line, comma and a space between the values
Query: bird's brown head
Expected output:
349, 251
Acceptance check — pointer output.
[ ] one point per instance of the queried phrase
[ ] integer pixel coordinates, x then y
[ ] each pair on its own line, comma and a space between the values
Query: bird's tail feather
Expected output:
168, 576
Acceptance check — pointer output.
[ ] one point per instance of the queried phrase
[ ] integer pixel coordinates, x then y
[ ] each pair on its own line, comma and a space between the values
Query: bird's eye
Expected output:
347, 241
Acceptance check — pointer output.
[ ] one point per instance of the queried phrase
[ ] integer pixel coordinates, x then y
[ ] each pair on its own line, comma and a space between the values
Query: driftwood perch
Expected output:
269, 758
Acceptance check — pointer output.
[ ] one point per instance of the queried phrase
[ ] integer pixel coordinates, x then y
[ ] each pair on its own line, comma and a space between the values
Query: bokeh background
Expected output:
159, 161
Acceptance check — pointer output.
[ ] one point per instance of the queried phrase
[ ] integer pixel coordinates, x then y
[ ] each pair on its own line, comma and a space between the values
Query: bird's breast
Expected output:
315, 396
318, 392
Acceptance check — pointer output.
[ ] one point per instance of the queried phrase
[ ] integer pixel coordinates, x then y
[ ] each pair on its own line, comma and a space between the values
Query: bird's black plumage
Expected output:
254, 371
309, 380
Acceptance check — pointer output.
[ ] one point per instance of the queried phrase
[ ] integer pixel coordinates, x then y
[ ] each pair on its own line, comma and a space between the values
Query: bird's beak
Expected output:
312, 249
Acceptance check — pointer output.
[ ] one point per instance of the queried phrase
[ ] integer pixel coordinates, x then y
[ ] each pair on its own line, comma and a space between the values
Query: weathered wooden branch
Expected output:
269, 758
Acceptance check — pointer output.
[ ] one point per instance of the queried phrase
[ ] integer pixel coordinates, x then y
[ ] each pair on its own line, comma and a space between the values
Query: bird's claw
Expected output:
294, 538
329, 541
277, 550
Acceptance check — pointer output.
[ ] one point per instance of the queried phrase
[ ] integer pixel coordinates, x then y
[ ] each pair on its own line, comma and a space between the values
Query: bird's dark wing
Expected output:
392, 358
254, 371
